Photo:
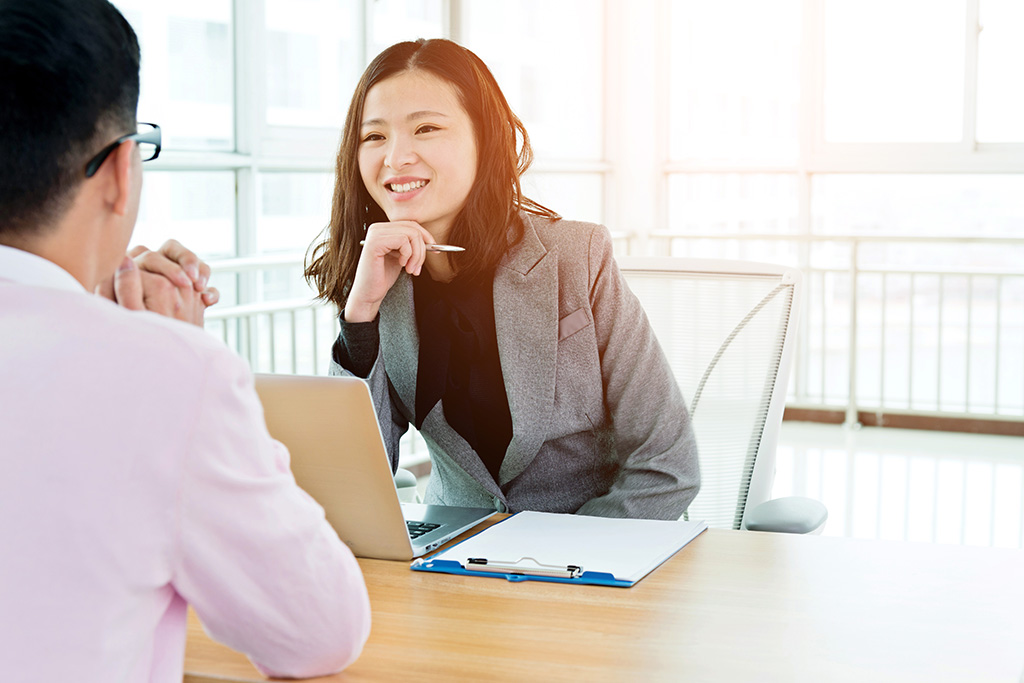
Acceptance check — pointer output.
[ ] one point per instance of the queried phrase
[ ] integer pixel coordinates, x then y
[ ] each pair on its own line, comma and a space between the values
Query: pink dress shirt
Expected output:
137, 477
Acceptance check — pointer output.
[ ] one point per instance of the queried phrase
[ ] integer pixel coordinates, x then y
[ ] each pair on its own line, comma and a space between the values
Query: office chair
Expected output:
727, 328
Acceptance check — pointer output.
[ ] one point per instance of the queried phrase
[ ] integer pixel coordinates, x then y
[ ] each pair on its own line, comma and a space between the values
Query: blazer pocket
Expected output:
573, 323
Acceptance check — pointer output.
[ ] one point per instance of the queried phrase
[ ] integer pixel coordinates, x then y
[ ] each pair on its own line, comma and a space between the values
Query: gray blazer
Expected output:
599, 426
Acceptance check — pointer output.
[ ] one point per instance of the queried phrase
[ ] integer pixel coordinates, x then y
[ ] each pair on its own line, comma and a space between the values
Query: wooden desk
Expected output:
731, 606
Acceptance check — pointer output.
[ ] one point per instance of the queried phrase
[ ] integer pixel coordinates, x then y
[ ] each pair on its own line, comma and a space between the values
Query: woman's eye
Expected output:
373, 137
427, 129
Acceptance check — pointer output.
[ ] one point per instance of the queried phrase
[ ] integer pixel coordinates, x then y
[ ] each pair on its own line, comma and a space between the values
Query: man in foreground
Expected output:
138, 476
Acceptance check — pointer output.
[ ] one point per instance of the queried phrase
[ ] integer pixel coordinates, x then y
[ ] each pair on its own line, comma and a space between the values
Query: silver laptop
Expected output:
337, 454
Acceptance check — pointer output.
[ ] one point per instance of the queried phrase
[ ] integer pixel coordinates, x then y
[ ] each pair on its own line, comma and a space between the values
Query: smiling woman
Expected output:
490, 145
524, 361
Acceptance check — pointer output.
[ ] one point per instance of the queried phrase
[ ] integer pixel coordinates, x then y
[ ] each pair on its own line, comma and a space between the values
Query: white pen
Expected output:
433, 247
480, 564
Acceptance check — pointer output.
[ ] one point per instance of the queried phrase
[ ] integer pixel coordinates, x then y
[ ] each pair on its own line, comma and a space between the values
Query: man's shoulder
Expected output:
146, 338
125, 370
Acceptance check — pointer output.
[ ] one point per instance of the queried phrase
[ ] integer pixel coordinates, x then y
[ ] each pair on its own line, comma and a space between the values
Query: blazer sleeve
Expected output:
255, 556
654, 441
393, 424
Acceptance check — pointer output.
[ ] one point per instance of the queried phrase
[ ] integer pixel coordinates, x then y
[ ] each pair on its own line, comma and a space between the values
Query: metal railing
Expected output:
873, 336
879, 337
292, 336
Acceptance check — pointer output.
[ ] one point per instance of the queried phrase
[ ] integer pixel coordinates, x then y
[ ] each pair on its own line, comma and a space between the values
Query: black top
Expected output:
458, 363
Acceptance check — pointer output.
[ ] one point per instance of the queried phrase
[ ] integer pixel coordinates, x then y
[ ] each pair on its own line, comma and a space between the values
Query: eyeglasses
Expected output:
148, 140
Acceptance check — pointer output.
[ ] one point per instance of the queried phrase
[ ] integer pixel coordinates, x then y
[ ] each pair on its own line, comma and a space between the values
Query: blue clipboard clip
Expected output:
517, 571
525, 566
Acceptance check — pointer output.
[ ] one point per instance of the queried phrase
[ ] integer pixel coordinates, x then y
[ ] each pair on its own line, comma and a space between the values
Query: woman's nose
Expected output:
399, 153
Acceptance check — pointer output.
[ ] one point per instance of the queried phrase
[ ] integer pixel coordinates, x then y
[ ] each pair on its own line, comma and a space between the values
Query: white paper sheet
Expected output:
628, 549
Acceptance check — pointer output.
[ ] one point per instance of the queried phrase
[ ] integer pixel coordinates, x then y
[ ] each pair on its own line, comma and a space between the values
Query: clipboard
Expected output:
561, 548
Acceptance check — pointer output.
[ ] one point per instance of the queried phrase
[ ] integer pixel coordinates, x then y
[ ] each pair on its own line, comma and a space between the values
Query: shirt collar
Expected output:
28, 269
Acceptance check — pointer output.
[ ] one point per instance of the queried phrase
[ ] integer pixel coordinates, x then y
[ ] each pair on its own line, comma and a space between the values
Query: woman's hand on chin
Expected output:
389, 248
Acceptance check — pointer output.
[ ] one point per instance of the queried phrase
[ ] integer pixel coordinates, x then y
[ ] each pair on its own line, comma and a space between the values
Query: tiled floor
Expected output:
905, 484
902, 484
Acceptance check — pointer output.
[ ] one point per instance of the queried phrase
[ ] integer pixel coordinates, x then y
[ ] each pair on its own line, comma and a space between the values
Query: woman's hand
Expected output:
389, 249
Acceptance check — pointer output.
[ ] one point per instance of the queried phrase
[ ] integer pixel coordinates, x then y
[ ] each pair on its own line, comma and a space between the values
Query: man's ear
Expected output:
124, 180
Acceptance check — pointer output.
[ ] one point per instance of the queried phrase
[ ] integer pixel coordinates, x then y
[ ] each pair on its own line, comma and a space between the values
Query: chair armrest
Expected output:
404, 478
405, 482
790, 515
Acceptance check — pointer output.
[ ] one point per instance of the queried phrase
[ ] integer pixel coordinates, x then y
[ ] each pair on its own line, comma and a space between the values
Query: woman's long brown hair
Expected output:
488, 224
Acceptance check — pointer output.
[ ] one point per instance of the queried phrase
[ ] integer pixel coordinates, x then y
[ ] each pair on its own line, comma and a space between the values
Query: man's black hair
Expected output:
69, 84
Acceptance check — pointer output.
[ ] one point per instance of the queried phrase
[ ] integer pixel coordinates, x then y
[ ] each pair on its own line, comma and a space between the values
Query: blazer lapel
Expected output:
402, 350
526, 321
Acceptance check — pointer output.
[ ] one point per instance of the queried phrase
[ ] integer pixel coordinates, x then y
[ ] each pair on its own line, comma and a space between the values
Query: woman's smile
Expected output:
404, 189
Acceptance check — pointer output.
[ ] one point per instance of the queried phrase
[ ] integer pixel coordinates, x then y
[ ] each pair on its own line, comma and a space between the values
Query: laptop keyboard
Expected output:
417, 529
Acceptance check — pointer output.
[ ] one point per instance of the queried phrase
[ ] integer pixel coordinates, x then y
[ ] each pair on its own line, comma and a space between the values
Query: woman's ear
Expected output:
124, 179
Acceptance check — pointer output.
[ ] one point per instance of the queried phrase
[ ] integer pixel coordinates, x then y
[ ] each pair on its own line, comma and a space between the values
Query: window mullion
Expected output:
811, 117
812, 86
662, 127
364, 34
973, 28
249, 128
612, 80
634, 105
453, 20
249, 54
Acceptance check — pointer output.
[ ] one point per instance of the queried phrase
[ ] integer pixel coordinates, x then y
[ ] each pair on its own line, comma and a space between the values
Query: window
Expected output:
870, 143
1000, 50
877, 145
187, 70
734, 78
735, 81
553, 80
894, 71
313, 59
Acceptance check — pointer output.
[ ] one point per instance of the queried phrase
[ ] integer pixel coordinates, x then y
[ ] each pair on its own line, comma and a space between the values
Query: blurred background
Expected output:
878, 145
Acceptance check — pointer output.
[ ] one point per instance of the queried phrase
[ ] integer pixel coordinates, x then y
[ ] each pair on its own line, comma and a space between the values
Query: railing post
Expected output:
851, 406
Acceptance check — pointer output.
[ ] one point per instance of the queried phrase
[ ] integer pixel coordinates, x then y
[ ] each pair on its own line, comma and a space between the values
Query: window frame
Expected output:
636, 77
817, 156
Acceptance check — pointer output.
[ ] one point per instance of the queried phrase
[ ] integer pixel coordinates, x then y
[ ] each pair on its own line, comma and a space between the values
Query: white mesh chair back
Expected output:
726, 328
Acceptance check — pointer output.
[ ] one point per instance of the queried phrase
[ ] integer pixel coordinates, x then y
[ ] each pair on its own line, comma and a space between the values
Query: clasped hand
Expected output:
172, 282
